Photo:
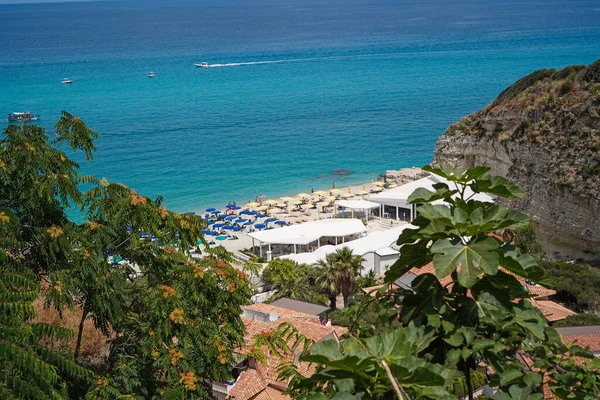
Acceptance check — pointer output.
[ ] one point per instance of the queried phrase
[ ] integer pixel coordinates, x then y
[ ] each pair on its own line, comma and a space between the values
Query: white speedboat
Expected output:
151, 75
66, 81
202, 65
23, 116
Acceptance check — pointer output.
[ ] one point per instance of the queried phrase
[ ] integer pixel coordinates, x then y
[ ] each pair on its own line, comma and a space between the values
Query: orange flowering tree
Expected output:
172, 319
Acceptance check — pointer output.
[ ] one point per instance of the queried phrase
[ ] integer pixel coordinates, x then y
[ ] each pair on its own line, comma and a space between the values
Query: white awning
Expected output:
309, 232
380, 242
398, 197
357, 204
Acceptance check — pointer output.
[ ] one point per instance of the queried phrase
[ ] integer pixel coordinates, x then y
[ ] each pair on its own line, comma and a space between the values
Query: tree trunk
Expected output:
80, 333
332, 302
346, 300
468, 380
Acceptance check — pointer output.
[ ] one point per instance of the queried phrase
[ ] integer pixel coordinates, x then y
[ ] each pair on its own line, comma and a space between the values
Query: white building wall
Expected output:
386, 261
370, 263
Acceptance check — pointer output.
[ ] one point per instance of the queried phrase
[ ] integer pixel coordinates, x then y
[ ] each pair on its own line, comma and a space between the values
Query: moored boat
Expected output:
23, 116
66, 81
151, 75
202, 65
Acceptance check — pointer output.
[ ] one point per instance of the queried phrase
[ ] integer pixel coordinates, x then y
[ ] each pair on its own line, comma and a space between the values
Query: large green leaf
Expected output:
499, 186
473, 258
411, 256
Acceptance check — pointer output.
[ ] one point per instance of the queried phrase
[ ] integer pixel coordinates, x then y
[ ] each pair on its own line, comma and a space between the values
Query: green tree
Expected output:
578, 320
29, 369
469, 314
576, 284
294, 281
338, 274
174, 319
279, 272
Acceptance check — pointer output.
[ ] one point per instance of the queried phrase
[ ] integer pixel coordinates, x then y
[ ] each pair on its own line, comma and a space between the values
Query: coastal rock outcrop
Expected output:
403, 175
543, 132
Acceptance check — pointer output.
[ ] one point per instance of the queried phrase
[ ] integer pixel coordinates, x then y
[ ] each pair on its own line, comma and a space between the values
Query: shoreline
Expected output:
354, 187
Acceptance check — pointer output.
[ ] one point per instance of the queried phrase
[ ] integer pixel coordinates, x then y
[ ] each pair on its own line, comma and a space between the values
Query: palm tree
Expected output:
338, 274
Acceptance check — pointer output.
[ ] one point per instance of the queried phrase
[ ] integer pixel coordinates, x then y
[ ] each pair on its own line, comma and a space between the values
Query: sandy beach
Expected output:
243, 241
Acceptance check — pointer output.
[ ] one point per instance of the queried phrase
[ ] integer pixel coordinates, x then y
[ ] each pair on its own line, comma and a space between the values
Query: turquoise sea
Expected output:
304, 87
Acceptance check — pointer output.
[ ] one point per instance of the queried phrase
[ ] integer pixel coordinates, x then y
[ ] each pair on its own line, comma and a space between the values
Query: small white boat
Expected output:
202, 65
23, 116
66, 81
151, 75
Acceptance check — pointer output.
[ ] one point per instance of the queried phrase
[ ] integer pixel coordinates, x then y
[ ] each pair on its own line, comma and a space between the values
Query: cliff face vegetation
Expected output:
544, 133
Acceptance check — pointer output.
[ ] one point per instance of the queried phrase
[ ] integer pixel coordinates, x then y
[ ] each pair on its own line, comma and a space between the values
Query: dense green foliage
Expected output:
173, 319
471, 314
338, 273
294, 281
576, 284
578, 320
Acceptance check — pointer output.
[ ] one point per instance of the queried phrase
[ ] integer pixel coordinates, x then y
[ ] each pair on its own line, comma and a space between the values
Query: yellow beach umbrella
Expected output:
297, 202
261, 208
330, 198
393, 185
307, 206
281, 205
376, 189
303, 195
378, 183
269, 202
252, 204
323, 203
346, 195
363, 192
286, 198
319, 192
335, 191
304, 219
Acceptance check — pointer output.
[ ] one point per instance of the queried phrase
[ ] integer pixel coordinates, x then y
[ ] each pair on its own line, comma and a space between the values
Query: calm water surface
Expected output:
300, 87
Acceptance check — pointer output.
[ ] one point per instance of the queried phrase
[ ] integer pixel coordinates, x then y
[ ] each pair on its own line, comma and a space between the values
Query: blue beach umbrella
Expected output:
270, 220
216, 212
235, 228
206, 231
260, 226
260, 215
236, 208
230, 218
227, 227
280, 222
217, 225
248, 223
210, 209
251, 213
239, 220
243, 212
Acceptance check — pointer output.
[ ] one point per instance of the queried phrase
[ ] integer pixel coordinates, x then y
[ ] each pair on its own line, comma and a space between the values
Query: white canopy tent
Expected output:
306, 233
398, 197
376, 245
357, 205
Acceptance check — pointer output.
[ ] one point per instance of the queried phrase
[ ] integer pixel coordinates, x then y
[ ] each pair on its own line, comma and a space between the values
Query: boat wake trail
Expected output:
241, 64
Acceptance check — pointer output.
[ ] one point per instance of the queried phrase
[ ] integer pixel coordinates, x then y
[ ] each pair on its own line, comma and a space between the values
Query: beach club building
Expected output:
378, 249
307, 236
393, 203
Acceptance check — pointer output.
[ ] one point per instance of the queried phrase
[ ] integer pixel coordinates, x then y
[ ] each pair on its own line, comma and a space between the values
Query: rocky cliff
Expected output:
544, 133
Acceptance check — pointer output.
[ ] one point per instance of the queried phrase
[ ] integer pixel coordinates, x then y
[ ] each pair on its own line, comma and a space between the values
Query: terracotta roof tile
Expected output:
248, 384
282, 312
592, 341
552, 311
